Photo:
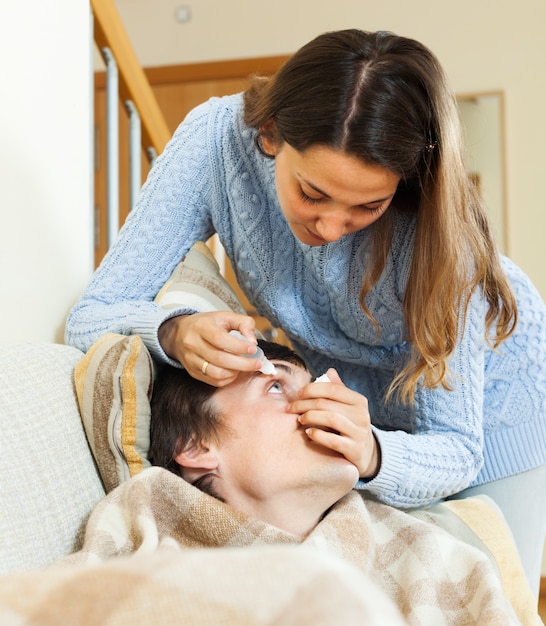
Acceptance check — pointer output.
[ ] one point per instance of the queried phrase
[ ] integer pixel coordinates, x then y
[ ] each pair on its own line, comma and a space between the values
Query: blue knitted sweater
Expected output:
211, 178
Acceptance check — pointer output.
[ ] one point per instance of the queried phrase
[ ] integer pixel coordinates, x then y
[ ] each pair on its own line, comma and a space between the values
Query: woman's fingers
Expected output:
202, 343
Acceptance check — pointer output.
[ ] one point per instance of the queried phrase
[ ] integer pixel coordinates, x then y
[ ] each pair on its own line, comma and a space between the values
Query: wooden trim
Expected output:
543, 587
133, 84
214, 70
499, 94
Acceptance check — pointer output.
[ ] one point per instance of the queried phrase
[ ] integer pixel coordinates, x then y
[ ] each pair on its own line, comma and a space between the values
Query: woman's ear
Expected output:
267, 145
198, 456
267, 133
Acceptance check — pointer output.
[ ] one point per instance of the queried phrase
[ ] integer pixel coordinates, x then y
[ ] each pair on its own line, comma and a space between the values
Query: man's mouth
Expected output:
324, 428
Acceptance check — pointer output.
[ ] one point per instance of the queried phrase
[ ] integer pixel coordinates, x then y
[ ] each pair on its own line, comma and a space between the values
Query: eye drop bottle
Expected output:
267, 367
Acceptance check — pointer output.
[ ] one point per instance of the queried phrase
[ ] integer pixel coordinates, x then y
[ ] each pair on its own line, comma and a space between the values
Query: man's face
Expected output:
265, 458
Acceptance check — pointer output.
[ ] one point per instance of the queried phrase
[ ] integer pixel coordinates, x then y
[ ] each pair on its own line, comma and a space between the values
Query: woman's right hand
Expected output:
202, 344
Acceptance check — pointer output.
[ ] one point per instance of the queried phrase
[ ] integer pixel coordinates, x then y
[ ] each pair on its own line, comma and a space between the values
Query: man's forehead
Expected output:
284, 368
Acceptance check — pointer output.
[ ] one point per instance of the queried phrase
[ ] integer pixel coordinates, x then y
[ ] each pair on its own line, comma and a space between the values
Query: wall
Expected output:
484, 46
45, 243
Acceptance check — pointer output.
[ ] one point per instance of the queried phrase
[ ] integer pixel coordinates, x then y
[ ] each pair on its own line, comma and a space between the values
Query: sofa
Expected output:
90, 534
49, 485
49, 482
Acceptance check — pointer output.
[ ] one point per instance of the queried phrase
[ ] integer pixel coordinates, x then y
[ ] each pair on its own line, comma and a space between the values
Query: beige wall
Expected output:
45, 234
483, 46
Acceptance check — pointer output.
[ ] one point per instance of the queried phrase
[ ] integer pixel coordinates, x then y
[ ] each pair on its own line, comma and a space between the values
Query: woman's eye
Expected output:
308, 199
372, 210
276, 388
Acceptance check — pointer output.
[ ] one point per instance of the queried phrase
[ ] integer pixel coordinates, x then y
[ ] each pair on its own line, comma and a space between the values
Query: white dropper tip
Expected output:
267, 367
323, 379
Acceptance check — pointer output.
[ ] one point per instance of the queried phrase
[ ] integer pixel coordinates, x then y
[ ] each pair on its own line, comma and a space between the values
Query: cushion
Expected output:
114, 380
197, 283
48, 481
114, 385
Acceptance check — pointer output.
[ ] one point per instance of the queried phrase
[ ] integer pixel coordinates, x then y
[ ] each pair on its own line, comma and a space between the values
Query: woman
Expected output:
339, 192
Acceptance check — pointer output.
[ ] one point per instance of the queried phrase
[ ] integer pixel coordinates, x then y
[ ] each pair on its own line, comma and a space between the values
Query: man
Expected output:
243, 444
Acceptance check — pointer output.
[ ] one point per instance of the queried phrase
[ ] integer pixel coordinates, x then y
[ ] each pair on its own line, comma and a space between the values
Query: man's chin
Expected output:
339, 478
336, 460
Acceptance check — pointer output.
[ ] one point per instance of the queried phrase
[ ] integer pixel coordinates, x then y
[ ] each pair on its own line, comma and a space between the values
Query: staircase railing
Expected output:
126, 81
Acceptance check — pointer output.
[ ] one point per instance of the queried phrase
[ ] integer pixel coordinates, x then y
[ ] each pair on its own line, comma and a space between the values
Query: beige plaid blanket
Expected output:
183, 557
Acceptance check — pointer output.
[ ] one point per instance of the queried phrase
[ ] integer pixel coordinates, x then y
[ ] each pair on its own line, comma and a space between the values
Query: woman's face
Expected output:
325, 194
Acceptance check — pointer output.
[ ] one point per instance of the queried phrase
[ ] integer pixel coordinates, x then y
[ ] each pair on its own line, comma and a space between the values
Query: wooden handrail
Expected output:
109, 32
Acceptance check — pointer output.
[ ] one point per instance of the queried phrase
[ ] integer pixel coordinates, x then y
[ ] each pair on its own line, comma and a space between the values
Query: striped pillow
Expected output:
113, 386
196, 283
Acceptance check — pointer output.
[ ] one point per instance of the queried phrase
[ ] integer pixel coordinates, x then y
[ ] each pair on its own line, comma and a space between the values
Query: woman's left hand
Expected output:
337, 418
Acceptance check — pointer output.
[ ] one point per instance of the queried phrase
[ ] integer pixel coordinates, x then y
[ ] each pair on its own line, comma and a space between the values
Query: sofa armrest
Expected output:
48, 481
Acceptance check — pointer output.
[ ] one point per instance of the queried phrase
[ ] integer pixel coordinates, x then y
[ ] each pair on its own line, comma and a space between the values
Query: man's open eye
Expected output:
276, 387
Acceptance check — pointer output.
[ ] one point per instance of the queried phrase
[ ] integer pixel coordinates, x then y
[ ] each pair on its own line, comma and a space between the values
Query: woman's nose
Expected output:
331, 227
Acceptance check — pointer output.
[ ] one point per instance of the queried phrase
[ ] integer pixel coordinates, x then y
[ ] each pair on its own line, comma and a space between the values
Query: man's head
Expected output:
240, 444
183, 412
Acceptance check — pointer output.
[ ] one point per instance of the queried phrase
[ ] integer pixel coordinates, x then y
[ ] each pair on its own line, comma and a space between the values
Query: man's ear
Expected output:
198, 456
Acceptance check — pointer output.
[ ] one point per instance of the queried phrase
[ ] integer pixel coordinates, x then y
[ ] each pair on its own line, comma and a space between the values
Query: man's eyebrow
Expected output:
284, 367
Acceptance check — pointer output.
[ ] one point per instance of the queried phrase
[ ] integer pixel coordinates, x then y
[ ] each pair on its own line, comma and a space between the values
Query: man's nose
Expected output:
292, 392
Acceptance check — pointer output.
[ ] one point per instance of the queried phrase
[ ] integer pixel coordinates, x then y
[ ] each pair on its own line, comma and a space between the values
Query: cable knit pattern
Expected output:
211, 178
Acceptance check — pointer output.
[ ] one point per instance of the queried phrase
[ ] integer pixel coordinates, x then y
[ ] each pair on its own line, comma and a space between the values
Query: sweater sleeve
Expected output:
444, 451
171, 214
